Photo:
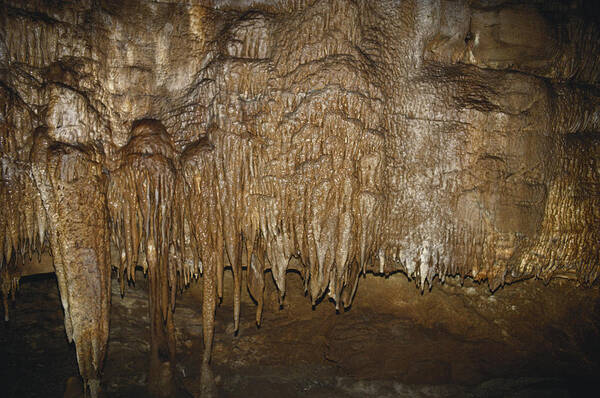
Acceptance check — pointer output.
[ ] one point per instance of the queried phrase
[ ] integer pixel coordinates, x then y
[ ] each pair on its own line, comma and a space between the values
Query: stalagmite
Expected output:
9, 282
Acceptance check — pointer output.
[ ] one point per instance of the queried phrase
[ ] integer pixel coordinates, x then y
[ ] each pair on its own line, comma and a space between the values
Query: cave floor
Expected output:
525, 340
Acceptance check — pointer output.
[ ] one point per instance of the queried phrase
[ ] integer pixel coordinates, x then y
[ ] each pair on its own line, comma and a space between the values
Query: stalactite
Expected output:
330, 222
22, 223
142, 212
144, 223
202, 215
335, 138
72, 190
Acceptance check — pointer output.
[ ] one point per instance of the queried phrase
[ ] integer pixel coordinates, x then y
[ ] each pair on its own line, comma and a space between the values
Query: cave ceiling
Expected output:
334, 138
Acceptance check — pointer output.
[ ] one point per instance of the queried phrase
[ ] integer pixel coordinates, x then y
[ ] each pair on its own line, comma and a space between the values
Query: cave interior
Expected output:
325, 198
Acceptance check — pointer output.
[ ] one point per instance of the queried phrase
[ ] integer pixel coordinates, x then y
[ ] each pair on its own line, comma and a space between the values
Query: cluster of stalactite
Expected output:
333, 138
141, 209
144, 222
22, 223
322, 215
201, 212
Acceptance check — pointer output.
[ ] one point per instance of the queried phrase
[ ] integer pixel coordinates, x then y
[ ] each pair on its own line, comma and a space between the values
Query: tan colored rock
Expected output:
333, 137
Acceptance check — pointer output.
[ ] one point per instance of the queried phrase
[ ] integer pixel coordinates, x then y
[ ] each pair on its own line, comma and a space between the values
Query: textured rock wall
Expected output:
332, 137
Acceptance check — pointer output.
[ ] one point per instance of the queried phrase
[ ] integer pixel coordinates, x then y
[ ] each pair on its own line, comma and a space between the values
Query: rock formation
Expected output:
334, 137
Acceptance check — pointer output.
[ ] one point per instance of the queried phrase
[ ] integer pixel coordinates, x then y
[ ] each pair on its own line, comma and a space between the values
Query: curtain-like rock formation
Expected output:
332, 137
141, 206
72, 188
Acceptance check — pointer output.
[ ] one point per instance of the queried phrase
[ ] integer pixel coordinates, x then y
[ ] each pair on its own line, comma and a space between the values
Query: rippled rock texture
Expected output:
332, 138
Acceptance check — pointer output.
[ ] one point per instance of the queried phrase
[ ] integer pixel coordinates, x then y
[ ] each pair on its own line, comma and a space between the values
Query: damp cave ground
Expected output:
525, 340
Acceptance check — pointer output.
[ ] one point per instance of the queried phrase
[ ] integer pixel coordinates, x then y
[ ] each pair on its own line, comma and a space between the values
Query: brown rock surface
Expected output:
436, 138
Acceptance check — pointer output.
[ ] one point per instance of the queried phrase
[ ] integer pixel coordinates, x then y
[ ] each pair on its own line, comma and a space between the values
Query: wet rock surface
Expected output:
525, 340
328, 138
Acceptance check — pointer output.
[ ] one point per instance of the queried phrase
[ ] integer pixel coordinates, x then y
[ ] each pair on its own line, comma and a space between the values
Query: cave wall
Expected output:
333, 137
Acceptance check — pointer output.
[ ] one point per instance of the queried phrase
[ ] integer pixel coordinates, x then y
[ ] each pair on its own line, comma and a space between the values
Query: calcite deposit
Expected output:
334, 138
